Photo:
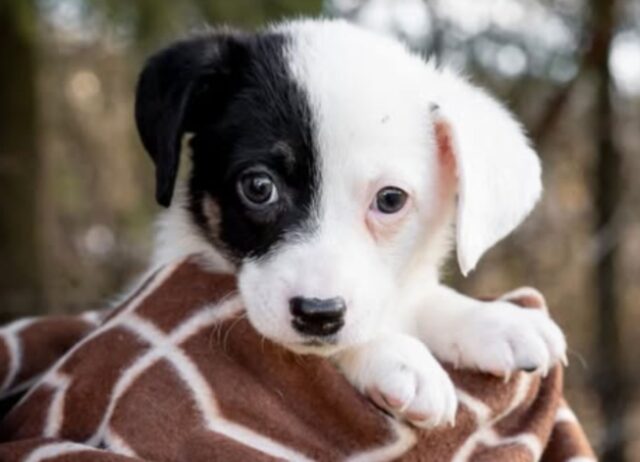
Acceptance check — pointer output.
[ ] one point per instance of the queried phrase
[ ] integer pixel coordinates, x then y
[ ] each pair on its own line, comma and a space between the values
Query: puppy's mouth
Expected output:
319, 346
320, 341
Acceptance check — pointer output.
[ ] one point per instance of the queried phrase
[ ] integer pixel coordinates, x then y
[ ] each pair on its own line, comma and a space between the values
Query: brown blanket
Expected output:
176, 373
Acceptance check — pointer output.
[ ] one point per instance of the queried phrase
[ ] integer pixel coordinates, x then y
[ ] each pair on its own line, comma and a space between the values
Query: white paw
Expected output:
400, 375
501, 338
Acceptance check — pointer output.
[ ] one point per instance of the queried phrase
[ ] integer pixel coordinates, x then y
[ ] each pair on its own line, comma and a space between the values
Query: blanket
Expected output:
177, 373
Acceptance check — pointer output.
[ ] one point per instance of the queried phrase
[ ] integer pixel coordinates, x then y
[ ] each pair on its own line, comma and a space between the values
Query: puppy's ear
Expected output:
180, 88
498, 172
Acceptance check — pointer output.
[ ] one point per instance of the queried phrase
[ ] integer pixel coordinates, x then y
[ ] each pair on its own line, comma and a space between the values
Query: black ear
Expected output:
180, 87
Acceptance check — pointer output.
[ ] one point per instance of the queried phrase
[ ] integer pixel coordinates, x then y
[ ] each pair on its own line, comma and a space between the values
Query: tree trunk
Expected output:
20, 275
609, 373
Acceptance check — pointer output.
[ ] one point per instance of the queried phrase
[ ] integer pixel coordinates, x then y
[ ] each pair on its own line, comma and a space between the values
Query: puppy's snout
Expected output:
316, 316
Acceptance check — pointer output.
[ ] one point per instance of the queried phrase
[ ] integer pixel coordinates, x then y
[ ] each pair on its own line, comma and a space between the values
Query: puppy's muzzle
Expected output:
317, 317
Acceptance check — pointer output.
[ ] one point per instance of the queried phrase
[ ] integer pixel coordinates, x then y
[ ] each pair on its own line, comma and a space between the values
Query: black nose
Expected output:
316, 316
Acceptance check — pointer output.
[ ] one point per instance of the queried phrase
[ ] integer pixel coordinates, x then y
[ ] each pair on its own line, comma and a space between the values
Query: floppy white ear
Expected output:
498, 171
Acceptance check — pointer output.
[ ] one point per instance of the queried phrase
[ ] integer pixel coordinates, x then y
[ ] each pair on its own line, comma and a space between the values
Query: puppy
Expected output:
332, 170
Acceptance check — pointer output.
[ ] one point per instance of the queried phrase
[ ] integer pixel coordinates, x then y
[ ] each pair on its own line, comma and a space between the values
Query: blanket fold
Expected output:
177, 373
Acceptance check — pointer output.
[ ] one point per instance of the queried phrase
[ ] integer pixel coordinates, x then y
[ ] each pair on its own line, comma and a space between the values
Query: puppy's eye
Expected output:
390, 200
257, 189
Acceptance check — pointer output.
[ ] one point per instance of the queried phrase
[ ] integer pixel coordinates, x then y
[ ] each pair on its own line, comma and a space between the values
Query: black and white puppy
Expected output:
329, 167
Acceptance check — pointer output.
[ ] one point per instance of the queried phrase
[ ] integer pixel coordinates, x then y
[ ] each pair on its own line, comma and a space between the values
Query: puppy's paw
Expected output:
502, 338
401, 376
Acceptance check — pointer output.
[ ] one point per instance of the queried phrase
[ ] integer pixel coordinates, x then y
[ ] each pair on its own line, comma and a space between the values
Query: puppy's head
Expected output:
326, 166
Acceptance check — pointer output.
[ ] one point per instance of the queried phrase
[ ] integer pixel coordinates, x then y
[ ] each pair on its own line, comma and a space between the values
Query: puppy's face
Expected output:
319, 168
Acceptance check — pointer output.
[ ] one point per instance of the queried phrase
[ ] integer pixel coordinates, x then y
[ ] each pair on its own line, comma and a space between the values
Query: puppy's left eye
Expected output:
389, 200
257, 189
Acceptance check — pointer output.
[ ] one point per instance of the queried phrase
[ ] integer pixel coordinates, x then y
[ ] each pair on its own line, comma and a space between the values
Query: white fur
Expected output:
177, 237
372, 103
490, 336
401, 367
498, 172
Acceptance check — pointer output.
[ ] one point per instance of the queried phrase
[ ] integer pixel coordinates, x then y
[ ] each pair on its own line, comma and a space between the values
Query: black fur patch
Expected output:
234, 93
266, 122
177, 86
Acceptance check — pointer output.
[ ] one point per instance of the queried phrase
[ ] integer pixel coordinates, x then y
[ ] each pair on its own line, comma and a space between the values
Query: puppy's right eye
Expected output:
390, 200
257, 190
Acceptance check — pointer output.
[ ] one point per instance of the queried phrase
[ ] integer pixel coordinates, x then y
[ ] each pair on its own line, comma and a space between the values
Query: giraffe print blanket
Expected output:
176, 373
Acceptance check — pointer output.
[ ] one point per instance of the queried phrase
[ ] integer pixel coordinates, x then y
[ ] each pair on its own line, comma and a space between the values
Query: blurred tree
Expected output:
609, 373
253, 13
148, 21
20, 268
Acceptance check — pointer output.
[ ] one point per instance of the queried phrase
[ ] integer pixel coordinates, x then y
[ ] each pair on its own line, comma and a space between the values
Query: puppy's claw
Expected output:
417, 417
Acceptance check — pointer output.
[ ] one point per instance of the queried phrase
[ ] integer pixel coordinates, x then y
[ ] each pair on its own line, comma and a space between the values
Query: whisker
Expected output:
239, 318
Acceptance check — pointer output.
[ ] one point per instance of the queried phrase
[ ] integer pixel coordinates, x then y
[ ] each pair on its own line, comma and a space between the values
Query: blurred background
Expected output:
76, 192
